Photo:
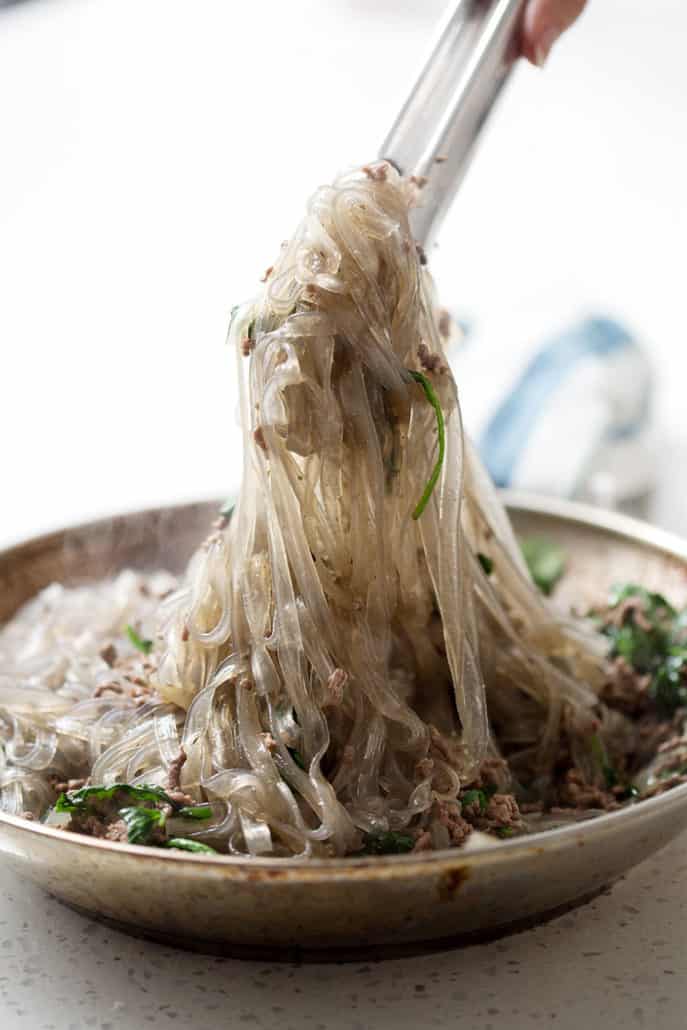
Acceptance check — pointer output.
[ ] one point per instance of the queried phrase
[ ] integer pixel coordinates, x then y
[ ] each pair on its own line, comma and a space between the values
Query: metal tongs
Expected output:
440, 122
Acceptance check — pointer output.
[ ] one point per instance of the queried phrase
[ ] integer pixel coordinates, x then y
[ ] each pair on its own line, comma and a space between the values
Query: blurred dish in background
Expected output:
568, 415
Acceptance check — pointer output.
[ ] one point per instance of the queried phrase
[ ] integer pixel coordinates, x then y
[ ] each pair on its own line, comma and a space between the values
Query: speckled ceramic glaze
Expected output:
277, 905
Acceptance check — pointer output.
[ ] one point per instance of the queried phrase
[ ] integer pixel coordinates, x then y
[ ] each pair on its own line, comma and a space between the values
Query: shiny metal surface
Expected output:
438, 126
279, 906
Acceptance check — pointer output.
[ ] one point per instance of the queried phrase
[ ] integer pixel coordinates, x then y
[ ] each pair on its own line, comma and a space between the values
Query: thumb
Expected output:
544, 22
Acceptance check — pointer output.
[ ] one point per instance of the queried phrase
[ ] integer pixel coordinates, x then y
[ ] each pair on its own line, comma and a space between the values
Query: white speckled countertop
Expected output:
617, 962
124, 145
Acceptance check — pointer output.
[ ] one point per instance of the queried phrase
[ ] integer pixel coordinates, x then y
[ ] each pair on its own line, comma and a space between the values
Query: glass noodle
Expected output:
336, 658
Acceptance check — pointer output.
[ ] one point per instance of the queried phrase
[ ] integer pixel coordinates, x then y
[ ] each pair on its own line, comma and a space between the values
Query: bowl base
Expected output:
337, 954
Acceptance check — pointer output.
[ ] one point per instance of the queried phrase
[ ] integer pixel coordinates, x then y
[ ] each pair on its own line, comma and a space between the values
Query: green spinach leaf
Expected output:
545, 561
388, 842
184, 844
145, 646
141, 823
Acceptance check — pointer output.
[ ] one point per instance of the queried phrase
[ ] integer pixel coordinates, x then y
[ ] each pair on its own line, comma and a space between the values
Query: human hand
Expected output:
545, 21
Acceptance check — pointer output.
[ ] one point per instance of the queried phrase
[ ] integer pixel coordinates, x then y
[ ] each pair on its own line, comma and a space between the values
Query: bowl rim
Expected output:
542, 842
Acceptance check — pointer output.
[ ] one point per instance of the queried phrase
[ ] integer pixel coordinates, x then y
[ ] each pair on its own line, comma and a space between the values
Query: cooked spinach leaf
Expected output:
600, 754
388, 842
545, 561
470, 797
79, 800
184, 844
486, 563
298, 758
195, 812
669, 684
141, 823
441, 434
622, 791
650, 635
145, 646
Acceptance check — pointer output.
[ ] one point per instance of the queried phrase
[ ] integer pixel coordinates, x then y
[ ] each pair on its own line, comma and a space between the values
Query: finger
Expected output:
545, 21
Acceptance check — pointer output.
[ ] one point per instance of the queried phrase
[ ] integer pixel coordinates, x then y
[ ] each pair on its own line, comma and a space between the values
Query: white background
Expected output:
153, 153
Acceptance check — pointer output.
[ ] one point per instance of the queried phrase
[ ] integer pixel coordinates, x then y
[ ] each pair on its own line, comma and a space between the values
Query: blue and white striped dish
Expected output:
567, 416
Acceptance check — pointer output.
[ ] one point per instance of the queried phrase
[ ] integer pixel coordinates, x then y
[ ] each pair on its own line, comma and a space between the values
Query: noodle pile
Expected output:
337, 661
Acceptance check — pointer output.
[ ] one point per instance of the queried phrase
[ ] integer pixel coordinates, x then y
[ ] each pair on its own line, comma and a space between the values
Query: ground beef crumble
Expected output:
62, 786
444, 324
174, 770
116, 831
423, 841
448, 814
652, 733
626, 690
493, 773
631, 609
378, 173
500, 814
576, 793
666, 783
432, 363
109, 655
174, 788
